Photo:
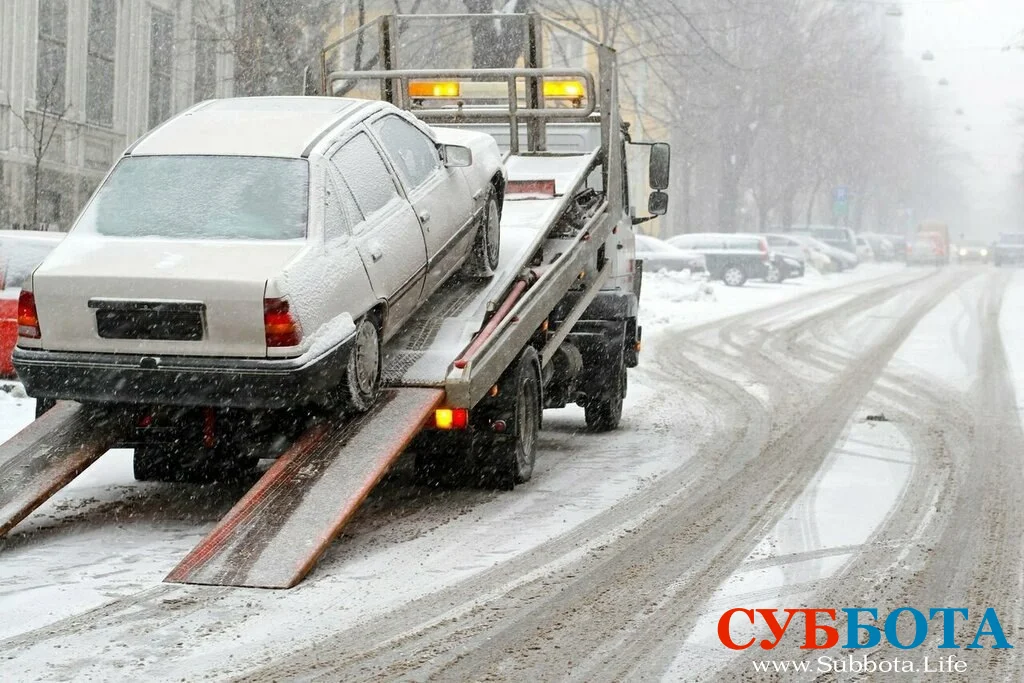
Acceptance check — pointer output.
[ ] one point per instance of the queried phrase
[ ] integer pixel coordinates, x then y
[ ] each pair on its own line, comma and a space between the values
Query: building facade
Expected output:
81, 79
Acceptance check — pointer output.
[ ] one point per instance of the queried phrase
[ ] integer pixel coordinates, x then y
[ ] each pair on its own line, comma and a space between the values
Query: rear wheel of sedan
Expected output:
361, 384
483, 261
734, 276
773, 275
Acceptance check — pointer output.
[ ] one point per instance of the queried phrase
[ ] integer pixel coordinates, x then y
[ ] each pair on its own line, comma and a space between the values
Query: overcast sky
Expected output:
967, 37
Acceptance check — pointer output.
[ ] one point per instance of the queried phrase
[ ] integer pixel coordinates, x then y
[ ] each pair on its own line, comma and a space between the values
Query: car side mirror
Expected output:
456, 156
657, 203
658, 170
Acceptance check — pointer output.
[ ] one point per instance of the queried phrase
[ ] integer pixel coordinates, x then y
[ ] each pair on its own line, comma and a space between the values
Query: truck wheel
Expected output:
734, 276
604, 413
512, 456
361, 383
43, 405
483, 260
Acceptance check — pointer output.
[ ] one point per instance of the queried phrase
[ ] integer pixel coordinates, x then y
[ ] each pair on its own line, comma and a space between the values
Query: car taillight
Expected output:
282, 329
28, 319
763, 245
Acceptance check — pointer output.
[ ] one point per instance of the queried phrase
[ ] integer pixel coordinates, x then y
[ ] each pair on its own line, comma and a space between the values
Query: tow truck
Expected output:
467, 379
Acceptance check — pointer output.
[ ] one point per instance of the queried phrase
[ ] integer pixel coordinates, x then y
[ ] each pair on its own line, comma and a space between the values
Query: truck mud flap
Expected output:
275, 534
45, 456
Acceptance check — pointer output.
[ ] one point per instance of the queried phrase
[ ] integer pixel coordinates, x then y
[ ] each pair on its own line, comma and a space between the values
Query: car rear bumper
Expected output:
1008, 256
249, 383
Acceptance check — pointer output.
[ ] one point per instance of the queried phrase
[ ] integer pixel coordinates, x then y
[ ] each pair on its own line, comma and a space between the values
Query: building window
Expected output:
206, 63
51, 64
99, 87
161, 61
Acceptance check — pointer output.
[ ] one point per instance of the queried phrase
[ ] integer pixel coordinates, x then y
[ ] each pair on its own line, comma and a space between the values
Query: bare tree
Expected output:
42, 126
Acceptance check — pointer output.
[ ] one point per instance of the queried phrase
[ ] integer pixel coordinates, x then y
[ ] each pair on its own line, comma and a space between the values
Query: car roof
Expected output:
253, 126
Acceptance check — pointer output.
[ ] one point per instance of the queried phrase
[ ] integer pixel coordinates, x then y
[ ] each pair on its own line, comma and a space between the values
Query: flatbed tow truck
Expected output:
467, 379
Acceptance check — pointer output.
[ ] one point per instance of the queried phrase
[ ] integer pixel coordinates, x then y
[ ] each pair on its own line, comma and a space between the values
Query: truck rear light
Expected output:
451, 418
282, 329
28, 319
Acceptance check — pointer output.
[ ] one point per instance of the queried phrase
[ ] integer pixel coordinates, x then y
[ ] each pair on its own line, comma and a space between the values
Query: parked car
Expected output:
838, 259
21, 251
864, 250
660, 255
972, 252
899, 245
1008, 249
924, 250
731, 258
834, 236
782, 267
256, 253
881, 246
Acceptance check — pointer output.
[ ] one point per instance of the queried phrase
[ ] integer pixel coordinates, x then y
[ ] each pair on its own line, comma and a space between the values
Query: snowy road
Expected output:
746, 474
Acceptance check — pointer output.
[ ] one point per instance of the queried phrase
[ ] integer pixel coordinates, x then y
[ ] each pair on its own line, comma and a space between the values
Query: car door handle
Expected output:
376, 253
424, 216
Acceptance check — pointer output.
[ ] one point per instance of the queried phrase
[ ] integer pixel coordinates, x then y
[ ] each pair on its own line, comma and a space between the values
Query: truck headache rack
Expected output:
394, 35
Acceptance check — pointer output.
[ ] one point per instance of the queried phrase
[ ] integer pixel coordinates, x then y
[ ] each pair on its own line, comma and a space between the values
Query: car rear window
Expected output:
202, 197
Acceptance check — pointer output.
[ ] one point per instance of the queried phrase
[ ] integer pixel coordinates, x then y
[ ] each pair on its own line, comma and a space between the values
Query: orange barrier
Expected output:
276, 533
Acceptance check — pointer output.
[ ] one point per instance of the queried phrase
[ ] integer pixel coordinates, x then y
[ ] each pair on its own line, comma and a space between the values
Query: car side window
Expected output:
414, 154
362, 169
341, 213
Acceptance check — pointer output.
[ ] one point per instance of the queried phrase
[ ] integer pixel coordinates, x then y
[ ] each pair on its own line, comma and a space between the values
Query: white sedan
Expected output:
257, 253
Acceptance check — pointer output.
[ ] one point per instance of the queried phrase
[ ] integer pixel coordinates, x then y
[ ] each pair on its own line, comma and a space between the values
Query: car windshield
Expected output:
202, 197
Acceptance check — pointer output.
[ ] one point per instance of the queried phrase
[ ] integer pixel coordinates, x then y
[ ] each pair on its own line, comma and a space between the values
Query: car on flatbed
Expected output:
256, 253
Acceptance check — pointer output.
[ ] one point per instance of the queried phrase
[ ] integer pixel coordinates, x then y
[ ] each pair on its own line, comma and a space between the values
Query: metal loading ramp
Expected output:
47, 454
275, 534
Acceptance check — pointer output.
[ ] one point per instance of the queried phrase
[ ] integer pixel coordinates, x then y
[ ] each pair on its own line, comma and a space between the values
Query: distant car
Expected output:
832, 235
924, 250
837, 259
972, 252
787, 267
660, 255
21, 251
256, 253
1008, 249
881, 246
899, 244
731, 258
864, 250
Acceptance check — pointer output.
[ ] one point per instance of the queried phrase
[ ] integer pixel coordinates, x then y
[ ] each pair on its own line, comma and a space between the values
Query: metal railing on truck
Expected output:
389, 32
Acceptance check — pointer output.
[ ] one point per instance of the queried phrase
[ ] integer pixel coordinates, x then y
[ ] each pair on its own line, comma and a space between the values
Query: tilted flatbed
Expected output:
466, 379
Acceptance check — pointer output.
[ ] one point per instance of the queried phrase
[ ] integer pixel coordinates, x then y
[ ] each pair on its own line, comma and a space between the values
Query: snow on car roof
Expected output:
248, 126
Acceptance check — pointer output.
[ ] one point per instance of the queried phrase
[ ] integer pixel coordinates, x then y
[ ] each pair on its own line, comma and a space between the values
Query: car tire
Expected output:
43, 405
734, 276
773, 275
361, 383
483, 260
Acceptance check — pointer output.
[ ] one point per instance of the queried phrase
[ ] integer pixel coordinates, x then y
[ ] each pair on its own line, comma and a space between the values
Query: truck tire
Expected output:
361, 384
509, 459
604, 413
483, 260
734, 276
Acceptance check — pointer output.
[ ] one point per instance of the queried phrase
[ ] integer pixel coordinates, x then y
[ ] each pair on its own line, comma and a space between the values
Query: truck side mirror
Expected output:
658, 170
456, 156
657, 203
